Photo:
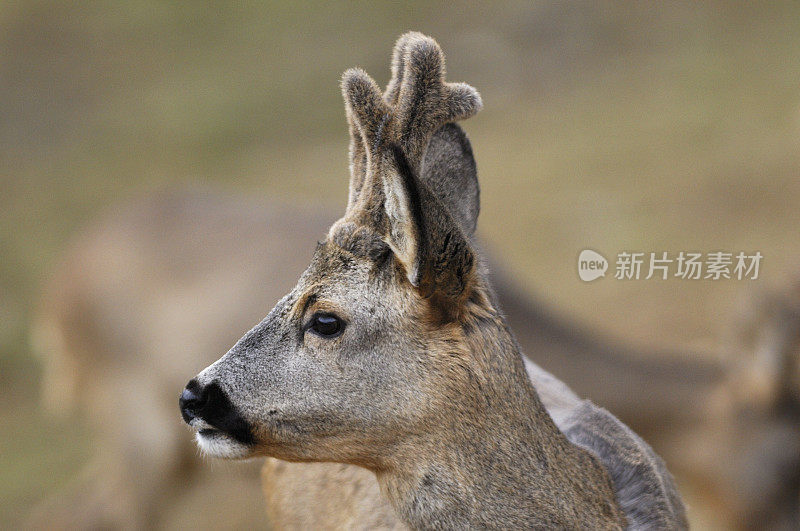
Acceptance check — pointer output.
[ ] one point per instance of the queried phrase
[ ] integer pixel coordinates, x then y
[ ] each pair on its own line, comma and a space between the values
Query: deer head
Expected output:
365, 351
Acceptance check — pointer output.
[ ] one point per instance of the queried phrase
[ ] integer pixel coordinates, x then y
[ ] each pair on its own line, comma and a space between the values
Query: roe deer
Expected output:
186, 249
391, 352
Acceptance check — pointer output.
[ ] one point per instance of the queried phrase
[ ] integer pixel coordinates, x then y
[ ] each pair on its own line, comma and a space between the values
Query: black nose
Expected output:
212, 405
192, 400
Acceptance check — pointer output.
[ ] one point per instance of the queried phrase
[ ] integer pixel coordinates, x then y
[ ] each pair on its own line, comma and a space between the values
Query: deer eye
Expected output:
326, 325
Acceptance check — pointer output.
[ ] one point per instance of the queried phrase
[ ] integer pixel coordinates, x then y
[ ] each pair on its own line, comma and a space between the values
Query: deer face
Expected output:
350, 362
333, 370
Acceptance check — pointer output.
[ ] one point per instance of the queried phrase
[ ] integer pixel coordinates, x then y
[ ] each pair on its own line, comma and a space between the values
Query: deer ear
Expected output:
424, 236
403, 208
448, 170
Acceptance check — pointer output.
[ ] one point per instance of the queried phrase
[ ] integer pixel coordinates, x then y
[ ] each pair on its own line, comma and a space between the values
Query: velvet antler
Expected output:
417, 102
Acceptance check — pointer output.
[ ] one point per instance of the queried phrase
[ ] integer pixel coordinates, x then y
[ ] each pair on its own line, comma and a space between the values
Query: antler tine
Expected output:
417, 102
398, 66
424, 100
358, 160
367, 115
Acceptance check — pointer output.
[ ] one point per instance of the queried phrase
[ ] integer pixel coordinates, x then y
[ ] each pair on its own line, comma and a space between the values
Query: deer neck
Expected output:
497, 459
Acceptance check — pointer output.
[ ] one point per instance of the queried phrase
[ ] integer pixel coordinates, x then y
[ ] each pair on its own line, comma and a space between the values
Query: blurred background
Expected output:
612, 126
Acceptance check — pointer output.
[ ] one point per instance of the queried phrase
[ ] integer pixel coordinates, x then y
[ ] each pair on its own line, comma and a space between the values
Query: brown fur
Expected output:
423, 384
182, 228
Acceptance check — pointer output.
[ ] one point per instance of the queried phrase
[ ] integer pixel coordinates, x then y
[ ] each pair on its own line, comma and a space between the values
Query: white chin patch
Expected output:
214, 443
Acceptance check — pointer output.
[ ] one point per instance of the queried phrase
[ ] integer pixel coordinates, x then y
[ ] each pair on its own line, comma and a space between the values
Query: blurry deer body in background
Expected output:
755, 424
159, 285
209, 263
391, 352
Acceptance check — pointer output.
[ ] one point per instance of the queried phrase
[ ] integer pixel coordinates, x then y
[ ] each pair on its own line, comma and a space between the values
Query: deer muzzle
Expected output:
208, 408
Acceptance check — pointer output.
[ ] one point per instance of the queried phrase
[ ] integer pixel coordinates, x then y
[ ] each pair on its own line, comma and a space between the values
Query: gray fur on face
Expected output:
315, 398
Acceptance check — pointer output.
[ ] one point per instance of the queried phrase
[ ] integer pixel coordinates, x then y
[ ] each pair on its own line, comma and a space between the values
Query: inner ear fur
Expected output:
444, 264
